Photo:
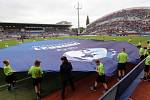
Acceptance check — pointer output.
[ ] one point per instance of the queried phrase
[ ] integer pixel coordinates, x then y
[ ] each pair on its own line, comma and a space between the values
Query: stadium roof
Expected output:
33, 25
137, 8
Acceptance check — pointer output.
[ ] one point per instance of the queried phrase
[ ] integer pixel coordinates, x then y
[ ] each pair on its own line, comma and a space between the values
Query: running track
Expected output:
82, 90
142, 92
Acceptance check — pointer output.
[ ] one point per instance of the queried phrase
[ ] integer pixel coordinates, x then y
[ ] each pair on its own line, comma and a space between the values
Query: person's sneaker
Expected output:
9, 88
118, 79
105, 91
92, 88
130, 99
38, 96
14, 87
148, 78
14, 83
122, 77
144, 78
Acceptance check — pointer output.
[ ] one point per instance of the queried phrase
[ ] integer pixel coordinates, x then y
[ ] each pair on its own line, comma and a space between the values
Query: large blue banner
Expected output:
81, 53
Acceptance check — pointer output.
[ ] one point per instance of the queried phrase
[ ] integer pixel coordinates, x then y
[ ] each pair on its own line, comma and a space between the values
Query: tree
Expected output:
87, 20
75, 30
82, 29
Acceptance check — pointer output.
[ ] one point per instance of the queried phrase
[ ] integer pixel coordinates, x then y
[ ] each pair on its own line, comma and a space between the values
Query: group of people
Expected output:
66, 71
99, 27
36, 73
144, 53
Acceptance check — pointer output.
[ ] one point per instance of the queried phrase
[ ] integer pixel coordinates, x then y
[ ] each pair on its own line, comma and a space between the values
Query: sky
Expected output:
53, 11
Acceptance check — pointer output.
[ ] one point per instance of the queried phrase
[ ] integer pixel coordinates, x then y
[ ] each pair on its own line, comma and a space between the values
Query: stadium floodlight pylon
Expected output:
78, 9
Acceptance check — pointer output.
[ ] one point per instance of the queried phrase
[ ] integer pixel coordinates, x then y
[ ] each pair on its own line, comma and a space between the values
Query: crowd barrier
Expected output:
115, 92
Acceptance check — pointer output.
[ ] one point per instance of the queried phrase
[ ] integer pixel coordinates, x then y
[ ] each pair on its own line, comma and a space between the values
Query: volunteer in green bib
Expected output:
9, 73
147, 67
141, 53
145, 52
148, 45
101, 76
36, 74
122, 58
130, 40
139, 44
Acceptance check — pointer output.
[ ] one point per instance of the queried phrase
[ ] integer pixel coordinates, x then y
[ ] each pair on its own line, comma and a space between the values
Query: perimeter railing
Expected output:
115, 92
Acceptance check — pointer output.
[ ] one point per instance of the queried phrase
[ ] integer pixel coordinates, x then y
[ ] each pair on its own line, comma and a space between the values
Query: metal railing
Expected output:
115, 92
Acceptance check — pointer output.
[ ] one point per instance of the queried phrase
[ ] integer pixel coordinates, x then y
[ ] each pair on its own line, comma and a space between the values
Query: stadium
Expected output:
131, 21
16, 30
23, 43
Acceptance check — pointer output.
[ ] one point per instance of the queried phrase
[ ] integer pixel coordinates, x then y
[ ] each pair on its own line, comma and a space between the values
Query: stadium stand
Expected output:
15, 30
131, 21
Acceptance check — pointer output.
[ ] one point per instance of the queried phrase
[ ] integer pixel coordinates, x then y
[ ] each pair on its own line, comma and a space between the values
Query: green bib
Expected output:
8, 70
147, 60
145, 52
141, 51
100, 69
122, 57
35, 72
148, 46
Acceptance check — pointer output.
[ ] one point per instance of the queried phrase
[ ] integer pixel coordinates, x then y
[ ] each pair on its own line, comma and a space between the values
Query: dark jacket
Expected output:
65, 71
